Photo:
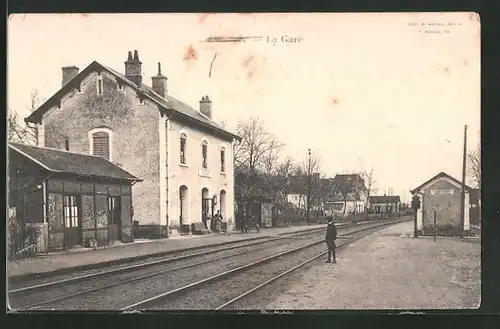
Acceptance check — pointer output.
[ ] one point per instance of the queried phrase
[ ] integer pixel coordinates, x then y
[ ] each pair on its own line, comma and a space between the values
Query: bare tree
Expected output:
18, 130
256, 145
254, 157
475, 166
311, 167
369, 183
277, 180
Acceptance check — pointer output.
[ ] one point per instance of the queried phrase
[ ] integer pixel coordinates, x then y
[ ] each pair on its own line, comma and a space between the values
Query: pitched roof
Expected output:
58, 161
347, 182
440, 175
385, 199
298, 184
171, 105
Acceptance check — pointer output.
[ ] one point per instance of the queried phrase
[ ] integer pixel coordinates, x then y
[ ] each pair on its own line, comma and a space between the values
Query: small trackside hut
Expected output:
68, 198
441, 195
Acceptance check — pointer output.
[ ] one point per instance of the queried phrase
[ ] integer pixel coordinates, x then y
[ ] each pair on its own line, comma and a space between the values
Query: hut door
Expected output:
114, 218
72, 220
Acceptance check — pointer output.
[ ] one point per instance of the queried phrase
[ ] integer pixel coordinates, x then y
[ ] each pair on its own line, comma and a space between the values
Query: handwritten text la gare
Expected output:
283, 39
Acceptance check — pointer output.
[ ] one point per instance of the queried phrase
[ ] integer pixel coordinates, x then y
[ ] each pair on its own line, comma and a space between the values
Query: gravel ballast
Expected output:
215, 294
119, 296
125, 294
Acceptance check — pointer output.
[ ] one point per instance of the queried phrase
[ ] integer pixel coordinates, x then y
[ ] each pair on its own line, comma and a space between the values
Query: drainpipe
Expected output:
167, 126
45, 214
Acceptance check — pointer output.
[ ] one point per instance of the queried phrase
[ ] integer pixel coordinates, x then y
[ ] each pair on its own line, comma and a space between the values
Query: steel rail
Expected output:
282, 236
153, 300
119, 270
260, 286
38, 305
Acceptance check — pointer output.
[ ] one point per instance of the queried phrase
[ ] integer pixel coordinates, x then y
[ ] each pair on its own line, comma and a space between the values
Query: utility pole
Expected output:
462, 199
309, 185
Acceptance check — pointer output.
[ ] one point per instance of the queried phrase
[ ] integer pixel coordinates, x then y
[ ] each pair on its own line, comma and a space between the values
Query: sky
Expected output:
381, 91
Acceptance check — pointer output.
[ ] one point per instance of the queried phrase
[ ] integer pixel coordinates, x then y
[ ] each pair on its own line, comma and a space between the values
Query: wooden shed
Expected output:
69, 198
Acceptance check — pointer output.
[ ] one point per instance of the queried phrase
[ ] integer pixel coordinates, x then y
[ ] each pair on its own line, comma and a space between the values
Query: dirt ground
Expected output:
391, 270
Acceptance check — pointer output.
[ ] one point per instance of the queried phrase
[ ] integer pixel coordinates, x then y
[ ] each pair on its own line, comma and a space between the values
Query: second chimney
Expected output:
68, 73
159, 83
206, 106
133, 68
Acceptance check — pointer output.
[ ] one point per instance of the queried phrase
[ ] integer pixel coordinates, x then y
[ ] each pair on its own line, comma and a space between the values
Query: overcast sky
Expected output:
362, 90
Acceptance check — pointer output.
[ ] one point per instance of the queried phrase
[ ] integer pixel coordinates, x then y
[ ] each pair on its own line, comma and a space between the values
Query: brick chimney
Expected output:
133, 68
68, 73
206, 106
159, 83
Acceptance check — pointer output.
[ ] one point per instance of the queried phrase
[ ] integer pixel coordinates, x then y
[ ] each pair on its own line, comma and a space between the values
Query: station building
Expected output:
182, 156
66, 198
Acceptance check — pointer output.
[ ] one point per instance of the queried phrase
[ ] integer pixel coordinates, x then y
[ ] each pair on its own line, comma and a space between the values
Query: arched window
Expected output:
204, 153
100, 142
183, 148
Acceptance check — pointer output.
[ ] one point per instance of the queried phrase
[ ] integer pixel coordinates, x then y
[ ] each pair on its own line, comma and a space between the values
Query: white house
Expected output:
183, 157
344, 194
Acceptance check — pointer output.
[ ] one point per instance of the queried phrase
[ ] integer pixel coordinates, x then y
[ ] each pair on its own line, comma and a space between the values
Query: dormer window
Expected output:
141, 101
100, 86
120, 87
204, 153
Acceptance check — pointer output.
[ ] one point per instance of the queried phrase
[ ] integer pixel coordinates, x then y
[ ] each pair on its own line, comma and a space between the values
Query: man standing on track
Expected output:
331, 236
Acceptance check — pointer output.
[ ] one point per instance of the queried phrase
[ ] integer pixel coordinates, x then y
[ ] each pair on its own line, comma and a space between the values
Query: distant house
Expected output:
441, 195
384, 203
350, 203
343, 194
297, 190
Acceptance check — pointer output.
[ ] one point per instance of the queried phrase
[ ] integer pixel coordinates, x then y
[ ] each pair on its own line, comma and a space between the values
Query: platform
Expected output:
390, 270
86, 258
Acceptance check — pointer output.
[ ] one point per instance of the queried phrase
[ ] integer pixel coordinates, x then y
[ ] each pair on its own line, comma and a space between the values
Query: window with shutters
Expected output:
183, 148
222, 160
204, 153
100, 143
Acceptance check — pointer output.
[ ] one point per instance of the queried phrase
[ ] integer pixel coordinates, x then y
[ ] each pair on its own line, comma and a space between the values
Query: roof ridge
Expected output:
58, 150
150, 89
185, 109
63, 162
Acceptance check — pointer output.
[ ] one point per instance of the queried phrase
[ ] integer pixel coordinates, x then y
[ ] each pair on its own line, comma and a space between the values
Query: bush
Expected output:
442, 230
22, 241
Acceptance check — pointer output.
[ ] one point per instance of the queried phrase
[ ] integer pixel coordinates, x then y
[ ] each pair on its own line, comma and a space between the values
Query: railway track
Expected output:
67, 287
111, 288
222, 290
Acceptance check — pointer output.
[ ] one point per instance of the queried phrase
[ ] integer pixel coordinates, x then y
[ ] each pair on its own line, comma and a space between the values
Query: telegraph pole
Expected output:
310, 184
462, 199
